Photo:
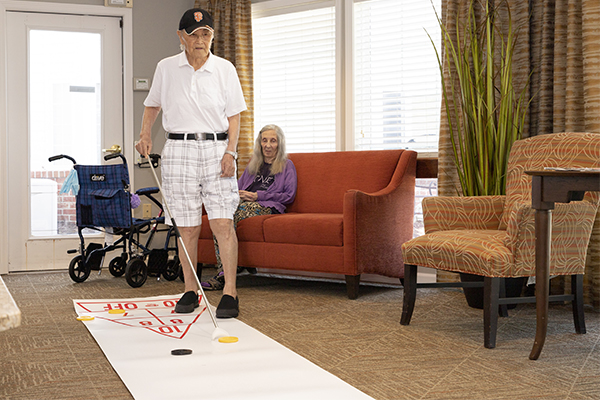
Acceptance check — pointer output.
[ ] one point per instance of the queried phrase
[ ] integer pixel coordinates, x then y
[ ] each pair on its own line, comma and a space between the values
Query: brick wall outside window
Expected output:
66, 218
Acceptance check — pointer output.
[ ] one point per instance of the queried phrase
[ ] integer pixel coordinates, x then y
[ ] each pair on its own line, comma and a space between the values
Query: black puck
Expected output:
181, 352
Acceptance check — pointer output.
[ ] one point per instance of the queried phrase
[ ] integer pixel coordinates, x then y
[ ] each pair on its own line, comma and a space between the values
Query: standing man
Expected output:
201, 99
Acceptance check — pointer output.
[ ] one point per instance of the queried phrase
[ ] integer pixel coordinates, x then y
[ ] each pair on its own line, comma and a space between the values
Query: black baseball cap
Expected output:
195, 18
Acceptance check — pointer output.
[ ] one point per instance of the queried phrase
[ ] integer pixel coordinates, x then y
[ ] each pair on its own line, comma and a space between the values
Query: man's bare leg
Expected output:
189, 235
228, 247
189, 300
223, 230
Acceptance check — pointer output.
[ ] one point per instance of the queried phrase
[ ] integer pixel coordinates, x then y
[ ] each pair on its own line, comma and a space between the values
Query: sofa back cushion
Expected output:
323, 178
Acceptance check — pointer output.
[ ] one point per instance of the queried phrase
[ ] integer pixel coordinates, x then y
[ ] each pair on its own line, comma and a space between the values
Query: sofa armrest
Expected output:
376, 224
571, 230
457, 213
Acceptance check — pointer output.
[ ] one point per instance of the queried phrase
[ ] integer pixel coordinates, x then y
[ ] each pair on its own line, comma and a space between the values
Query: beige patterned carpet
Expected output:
439, 356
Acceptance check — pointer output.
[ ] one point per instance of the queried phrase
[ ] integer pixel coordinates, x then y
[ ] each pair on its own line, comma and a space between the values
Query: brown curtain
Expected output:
559, 44
233, 41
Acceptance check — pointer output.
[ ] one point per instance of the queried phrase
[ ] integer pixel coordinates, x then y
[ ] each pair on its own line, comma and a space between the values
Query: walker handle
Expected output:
115, 155
54, 158
152, 158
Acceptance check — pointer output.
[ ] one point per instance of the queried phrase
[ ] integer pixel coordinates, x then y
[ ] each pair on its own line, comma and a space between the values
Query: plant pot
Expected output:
474, 296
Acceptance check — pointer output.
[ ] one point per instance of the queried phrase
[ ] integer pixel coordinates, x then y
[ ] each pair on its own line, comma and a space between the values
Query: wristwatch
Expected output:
231, 153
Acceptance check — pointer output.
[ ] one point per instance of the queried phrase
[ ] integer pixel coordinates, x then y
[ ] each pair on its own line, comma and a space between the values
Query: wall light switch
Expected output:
141, 84
118, 3
147, 210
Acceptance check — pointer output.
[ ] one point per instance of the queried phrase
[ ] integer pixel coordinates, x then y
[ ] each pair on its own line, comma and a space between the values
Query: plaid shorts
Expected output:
191, 172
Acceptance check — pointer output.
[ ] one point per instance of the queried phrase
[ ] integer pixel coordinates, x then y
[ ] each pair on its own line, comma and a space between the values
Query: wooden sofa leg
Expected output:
491, 293
410, 293
577, 291
352, 284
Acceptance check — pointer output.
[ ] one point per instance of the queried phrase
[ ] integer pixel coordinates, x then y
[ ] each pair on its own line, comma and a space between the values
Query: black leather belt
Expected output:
197, 136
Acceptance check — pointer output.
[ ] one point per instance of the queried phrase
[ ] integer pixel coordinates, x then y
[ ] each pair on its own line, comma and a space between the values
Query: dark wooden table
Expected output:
547, 188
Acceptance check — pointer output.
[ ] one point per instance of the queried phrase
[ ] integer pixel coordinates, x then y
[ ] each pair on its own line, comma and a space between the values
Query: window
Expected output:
294, 77
371, 81
396, 76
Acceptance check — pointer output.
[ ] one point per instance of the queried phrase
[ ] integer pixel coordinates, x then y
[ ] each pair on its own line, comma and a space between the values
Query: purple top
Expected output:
280, 193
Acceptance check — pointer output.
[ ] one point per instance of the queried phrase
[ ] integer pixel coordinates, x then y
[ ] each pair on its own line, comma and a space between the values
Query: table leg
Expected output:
543, 228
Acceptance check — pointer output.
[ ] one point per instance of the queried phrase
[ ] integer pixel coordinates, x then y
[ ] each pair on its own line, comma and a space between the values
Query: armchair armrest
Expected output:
571, 230
376, 224
459, 213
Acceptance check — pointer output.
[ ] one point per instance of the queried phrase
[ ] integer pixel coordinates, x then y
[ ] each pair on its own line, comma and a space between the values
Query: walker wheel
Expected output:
78, 270
117, 266
171, 272
136, 272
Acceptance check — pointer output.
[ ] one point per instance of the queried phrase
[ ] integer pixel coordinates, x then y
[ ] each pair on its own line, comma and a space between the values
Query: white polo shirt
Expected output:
196, 101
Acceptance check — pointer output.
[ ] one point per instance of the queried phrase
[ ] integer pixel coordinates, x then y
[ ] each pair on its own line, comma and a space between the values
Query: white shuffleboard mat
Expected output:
138, 345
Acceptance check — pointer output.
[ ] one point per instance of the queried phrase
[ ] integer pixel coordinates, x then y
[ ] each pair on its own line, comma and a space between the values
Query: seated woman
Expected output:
266, 186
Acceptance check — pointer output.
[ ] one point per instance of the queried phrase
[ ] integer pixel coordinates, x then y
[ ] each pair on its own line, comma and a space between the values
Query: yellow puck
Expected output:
228, 339
85, 318
116, 311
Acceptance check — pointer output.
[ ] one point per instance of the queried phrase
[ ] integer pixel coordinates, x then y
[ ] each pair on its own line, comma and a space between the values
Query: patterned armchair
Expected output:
494, 236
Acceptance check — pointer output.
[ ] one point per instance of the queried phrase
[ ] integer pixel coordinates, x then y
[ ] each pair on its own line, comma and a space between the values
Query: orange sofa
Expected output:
352, 212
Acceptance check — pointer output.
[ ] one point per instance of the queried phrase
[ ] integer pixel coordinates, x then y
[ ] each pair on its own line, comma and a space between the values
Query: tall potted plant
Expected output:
484, 111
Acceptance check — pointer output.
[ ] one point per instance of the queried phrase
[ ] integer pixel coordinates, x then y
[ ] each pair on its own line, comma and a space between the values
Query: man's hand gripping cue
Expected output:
144, 146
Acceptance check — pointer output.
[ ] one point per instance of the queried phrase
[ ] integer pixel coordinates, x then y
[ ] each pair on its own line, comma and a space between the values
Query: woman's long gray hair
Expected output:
257, 157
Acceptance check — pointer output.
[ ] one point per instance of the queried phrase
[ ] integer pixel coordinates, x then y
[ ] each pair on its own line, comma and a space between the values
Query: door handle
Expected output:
115, 149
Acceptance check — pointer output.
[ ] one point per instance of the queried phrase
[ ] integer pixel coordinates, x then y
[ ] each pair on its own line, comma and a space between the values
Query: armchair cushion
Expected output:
452, 213
479, 252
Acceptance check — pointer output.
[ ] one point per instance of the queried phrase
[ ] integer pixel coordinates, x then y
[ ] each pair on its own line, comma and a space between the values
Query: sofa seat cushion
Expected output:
248, 230
305, 228
252, 229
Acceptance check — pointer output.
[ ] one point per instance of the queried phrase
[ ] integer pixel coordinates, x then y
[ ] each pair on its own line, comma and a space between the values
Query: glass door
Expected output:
65, 86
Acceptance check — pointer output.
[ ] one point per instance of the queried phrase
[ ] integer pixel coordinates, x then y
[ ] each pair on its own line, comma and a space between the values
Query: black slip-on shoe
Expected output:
187, 303
228, 307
